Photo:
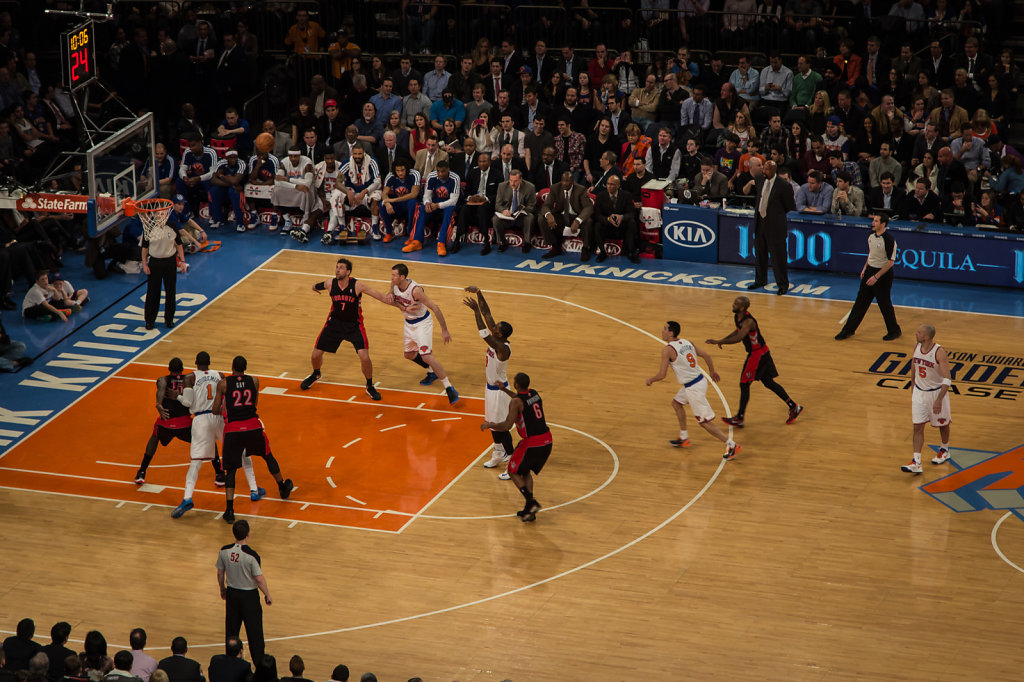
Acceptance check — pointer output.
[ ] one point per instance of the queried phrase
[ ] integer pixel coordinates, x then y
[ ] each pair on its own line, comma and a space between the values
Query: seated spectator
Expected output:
60, 632
798, 143
38, 668
340, 674
421, 133
122, 671
343, 149
506, 133
570, 146
480, 132
742, 129
143, 665
643, 102
282, 140
635, 181
447, 108
864, 148
837, 165
745, 182
665, 161
950, 171
835, 140
956, 209
44, 302
607, 169
815, 196
922, 204
727, 158
636, 145
448, 138
971, 152
600, 142
948, 117
386, 101
615, 218
330, 127
847, 199
886, 196
547, 171
888, 117
367, 126
746, 81
397, 130
709, 184
669, 102
236, 128
19, 648
229, 666
776, 83
178, 667
928, 168
1011, 179
884, 164
69, 295
1015, 214
753, 152
414, 103
805, 84
538, 138
567, 206
848, 63
301, 120
514, 207
297, 667
697, 115
772, 135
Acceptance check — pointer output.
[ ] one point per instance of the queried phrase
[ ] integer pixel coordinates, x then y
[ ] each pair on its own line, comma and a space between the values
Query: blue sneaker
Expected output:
257, 494
180, 510
429, 379
453, 395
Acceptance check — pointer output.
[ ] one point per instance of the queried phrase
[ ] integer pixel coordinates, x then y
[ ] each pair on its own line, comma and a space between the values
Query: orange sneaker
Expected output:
441, 250
413, 245
388, 237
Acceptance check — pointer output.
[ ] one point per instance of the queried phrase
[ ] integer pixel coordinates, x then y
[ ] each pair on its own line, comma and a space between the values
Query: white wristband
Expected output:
484, 333
946, 382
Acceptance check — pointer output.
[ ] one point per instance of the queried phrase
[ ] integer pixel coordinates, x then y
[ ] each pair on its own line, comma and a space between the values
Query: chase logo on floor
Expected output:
983, 480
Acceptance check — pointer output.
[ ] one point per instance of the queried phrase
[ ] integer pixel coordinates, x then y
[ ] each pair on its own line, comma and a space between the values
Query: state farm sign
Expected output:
53, 203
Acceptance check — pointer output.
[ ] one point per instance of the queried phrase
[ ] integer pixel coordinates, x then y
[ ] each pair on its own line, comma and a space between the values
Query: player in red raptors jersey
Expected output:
526, 411
759, 365
344, 323
237, 395
930, 399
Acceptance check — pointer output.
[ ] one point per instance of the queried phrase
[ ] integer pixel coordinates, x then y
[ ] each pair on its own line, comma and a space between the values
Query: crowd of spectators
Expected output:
22, 659
906, 106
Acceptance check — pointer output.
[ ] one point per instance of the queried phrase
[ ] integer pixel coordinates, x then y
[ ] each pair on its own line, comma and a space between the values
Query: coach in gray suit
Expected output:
774, 201
515, 196
567, 205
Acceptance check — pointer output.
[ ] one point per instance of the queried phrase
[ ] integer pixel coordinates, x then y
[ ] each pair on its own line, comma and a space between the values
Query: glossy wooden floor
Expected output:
809, 557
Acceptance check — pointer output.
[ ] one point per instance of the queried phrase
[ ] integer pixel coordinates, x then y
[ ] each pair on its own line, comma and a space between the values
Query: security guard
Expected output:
239, 575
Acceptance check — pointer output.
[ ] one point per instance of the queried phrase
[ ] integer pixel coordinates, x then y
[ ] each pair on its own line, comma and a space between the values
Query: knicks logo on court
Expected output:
983, 480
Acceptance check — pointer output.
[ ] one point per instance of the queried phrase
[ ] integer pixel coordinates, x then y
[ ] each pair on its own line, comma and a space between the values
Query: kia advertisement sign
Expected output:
689, 233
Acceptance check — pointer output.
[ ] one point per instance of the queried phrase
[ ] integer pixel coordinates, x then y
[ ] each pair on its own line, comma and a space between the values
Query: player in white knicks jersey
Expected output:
418, 332
294, 185
930, 397
325, 180
682, 356
207, 427
496, 401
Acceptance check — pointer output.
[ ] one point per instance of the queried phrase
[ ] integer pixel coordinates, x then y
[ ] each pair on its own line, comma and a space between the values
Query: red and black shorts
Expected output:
167, 430
758, 367
334, 333
531, 454
244, 438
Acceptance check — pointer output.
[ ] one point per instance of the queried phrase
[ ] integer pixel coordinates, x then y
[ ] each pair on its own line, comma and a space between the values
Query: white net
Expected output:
152, 213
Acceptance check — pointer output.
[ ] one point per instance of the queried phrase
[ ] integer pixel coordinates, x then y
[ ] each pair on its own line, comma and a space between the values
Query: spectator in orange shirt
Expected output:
753, 151
343, 52
847, 63
304, 36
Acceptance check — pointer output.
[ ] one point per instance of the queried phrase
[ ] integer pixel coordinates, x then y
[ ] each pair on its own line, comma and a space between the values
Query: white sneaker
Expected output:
492, 462
503, 476
506, 457
912, 467
942, 457
215, 225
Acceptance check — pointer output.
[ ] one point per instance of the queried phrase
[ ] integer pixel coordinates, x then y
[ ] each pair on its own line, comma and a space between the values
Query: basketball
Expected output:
264, 142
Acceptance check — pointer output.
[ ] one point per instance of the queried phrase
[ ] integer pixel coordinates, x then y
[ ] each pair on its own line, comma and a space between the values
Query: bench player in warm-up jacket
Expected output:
237, 395
399, 198
526, 411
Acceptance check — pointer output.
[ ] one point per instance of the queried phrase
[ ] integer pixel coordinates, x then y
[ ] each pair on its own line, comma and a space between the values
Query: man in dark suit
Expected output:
330, 127
978, 66
567, 205
570, 64
230, 666
511, 62
496, 81
951, 171
343, 149
389, 153
616, 217
547, 170
938, 66
177, 666
514, 205
887, 196
774, 199
230, 73
312, 148
508, 162
56, 651
481, 192
465, 161
19, 648
541, 62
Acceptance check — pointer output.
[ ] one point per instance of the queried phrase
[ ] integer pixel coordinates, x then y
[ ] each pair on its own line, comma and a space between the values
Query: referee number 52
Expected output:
234, 557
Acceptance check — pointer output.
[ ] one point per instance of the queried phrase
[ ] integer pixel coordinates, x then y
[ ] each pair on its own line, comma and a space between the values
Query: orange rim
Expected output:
141, 206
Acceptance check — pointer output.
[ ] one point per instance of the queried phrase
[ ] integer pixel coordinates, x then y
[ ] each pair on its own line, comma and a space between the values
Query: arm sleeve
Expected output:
205, 177
453, 198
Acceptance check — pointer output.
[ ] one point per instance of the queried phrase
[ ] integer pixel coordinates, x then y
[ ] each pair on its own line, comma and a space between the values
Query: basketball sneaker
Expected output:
429, 379
257, 495
180, 510
414, 245
308, 382
240, 227
300, 236
373, 392
494, 461
229, 516
326, 239
140, 477
285, 488
441, 249
288, 225
388, 237
215, 225
730, 452
794, 413
940, 458
504, 476
911, 467
219, 480
734, 421
530, 511
680, 443
453, 395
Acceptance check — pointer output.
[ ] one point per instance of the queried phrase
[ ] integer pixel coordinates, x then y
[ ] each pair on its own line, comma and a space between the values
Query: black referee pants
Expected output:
162, 271
243, 606
881, 291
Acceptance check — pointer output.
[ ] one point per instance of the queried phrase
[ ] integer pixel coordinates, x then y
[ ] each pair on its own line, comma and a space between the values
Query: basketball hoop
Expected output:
152, 212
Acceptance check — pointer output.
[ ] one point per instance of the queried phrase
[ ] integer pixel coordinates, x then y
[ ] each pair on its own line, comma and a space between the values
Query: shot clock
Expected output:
78, 55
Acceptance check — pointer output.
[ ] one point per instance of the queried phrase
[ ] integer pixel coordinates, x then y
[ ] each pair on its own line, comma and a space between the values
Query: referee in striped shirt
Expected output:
876, 282
240, 577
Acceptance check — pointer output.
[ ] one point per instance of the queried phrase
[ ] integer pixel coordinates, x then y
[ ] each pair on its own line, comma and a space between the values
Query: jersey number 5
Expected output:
921, 372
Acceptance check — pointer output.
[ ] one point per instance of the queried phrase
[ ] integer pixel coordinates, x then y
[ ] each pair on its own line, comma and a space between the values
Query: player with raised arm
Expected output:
496, 372
758, 366
344, 323
930, 397
681, 356
526, 411
418, 330
237, 395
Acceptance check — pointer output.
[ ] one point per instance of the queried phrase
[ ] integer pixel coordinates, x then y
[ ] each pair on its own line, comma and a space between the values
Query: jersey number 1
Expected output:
209, 391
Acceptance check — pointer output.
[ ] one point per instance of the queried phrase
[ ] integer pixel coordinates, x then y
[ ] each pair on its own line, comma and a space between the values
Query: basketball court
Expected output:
810, 556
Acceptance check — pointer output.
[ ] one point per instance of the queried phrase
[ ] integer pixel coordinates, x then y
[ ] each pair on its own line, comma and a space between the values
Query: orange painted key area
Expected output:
355, 462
